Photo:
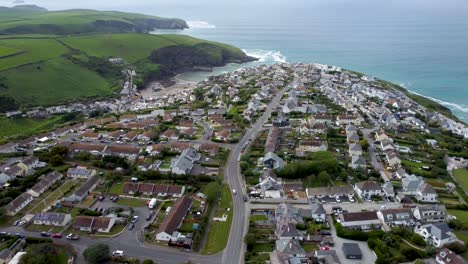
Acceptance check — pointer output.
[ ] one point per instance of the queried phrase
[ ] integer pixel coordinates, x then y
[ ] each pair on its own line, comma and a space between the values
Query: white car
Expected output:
118, 253
234, 191
135, 219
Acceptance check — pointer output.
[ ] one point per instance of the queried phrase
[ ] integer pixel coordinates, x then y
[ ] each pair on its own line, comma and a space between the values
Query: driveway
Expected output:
368, 256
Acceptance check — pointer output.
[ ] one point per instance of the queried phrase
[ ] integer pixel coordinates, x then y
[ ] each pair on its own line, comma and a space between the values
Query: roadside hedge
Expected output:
357, 234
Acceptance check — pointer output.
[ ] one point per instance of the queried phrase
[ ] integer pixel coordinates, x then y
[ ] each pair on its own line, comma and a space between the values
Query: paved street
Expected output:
235, 247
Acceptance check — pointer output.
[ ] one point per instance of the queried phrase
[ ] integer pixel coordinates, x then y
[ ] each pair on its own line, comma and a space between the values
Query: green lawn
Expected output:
449, 201
25, 126
116, 188
33, 50
219, 231
8, 51
462, 177
131, 202
254, 218
53, 82
460, 214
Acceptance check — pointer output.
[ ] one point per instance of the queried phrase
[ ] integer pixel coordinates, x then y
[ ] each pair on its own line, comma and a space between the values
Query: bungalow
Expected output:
184, 163
386, 145
170, 134
360, 220
150, 189
320, 119
387, 188
128, 152
397, 217
179, 146
147, 136
310, 146
93, 223
350, 129
93, 149
288, 231
18, 203
411, 184
357, 162
223, 135
52, 219
84, 190
436, 235
355, 149
29, 164
9, 147
167, 231
130, 136
44, 184
272, 161
367, 189
272, 139
90, 136
333, 191
154, 150
430, 213
80, 173
211, 149
318, 212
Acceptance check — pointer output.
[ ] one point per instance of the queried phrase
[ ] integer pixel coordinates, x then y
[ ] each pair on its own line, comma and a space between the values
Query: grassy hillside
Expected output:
40, 21
50, 70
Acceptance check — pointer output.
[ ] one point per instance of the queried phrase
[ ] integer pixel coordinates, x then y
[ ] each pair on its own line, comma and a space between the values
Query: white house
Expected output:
52, 219
436, 235
360, 220
367, 189
318, 212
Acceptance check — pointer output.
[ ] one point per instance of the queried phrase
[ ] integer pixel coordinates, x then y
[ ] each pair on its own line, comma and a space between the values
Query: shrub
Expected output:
97, 253
37, 240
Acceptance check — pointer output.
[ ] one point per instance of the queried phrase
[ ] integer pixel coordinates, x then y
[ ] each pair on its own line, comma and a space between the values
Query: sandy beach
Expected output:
156, 89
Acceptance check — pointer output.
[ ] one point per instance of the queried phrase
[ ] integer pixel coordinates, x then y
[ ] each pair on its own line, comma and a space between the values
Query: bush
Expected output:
37, 240
147, 261
457, 247
351, 234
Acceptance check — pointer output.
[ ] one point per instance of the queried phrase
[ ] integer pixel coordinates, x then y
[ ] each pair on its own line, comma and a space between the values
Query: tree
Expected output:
59, 150
364, 144
40, 254
56, 160
457, 247
97, 253
147, 261
331, 132
323, 176
250, 240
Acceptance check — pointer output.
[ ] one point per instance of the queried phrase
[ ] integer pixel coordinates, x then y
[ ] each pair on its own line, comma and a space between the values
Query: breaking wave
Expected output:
200, 24
268, 56
459, 107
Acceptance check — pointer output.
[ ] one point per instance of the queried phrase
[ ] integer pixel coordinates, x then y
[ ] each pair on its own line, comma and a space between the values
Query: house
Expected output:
223, 135
29, 164
386, 145
287, 213
83, 190
310, 146
80, 173
287, 249
430, 213
52, 219
392, 158
367, 189
271, 160
358, 162
128, 152
445, 256
342, 120
167, 231
327, 256
333, 191
352, 251
380, 135
397, 217
288, 231
4, 178
90, 136
9, 147
184, 163
436, 235
272, 139
93, 149
318, 213
211, 149
270, 188
92, 223
45, 183
170, 134
150, 189
352, 138
411, 184
387, 188
426, 193
355, 149
18, 203
360, 220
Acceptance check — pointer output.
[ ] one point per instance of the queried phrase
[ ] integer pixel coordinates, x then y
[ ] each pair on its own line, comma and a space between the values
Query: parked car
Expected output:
118, 253
135, 219
101, 198
131, 226
20, 235
71, 236
326, 233
57, 235
45, 234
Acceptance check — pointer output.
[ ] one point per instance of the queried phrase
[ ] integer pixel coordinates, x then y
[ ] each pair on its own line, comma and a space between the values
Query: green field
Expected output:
131, 202
219, 231
462, 177
53, 82
26, 127
31, 50
130, 47
460, 214
8, 51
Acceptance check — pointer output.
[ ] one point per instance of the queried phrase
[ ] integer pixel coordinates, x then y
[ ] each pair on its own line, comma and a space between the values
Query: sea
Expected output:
419, 44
